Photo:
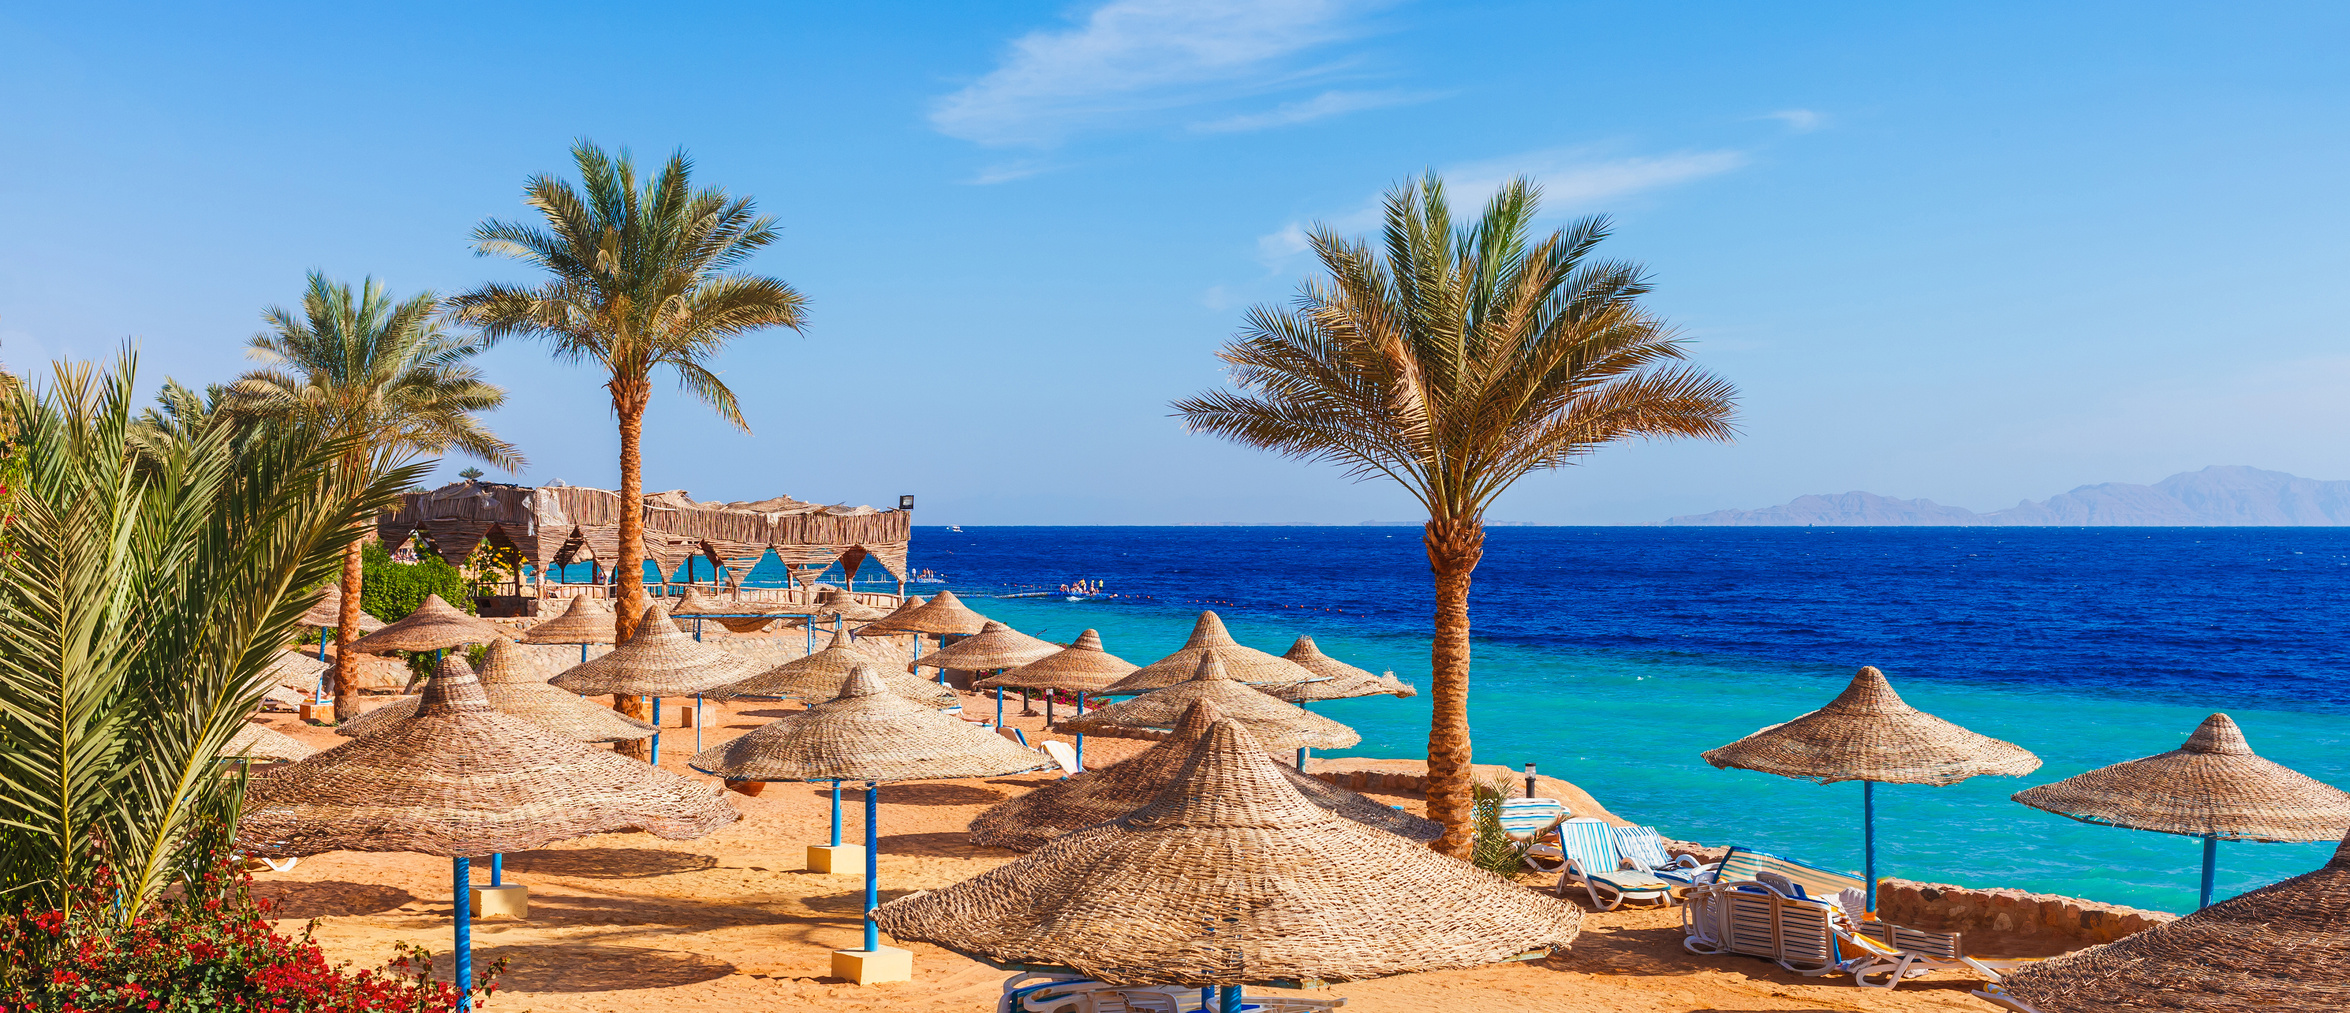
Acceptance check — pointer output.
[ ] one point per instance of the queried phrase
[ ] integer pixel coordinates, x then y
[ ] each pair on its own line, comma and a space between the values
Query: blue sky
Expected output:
1972, 252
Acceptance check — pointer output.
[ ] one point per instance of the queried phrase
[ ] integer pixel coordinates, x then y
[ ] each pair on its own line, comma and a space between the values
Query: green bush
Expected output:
1495, 851
389, 590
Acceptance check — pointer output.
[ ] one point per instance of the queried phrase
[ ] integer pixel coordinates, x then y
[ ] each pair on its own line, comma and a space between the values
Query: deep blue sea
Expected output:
1614, 656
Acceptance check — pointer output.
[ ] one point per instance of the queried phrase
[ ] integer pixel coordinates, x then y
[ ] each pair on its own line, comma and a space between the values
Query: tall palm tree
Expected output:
1465, 360
639, 275
386, 376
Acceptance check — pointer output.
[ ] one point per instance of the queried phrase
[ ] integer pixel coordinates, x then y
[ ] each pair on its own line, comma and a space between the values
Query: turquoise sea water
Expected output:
1613, 657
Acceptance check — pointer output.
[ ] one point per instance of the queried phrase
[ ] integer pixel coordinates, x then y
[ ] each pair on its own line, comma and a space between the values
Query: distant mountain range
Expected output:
2218, 496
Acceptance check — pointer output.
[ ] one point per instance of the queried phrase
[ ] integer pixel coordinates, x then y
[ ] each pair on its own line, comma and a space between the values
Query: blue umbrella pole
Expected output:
1301, 759
697, 722
999, 706
1229, 1000
583, 654
656, 731
1868, 837
1081, 735
872, 864
2210, 869
498, 869
462, 870
836, 814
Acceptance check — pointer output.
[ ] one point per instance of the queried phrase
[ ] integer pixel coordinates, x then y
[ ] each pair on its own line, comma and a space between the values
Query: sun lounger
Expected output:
1644, 848
1063, 755
1047, 992
1588, 857
1806, 920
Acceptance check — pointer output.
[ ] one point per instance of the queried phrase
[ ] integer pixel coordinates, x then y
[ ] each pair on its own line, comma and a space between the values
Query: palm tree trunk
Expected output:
629, 395
1454, 547
346, 631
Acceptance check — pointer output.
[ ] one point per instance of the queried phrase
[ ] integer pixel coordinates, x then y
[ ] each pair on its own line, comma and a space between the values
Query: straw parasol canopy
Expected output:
879, 627
994, 646
327, 612
261, 742
1339, 680
943, 614
1080, 667
462, 779
2214, 786
867, 733
2280, 947
1026, 822
1230, 876
1397, 687
1208, 638
434, 626
1277, 725
1868, 734
846, 606
658, 660
695, 604
516, 685
586, 621
818, 677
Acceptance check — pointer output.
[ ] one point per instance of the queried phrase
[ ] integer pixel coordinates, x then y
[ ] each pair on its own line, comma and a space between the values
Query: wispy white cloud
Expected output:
1327, 104
1134, 56
1802, 121
1579, 179
1573, 180
1007, 171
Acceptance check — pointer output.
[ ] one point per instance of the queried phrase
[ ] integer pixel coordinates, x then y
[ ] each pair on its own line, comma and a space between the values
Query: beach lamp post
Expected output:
869, 734
905, 503
1868, 734
817, 678
1082, 667
658, 660
460, 779
2213, 787
1272, 723
1230, 877
1025, 822
2280, 947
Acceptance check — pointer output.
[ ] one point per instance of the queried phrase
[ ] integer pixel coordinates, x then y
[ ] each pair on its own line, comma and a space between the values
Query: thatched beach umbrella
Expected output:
658, 660
868, 734
1082, 667
845, 605
1274, 724
1338, 680
818, 677
1227, 877
994, 646
2213, 787
736, 615
327, 613
462, 780
516, 685
2282, 947
1209, 639
1026, 822
944, 615
1868, 735
256, 741
586, 621
434, 626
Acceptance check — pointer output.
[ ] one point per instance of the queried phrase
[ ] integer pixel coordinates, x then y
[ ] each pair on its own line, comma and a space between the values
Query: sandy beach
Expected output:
731, 922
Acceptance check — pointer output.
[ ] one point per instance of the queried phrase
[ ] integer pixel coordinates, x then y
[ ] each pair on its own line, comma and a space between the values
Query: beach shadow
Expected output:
539, 967
769, 712
607, 863
951, 845
1652, 952
929, 794
849, 903
330, 899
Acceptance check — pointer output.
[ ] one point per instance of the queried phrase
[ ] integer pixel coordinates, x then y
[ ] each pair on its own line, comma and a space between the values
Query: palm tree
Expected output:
1465, 360
638, 276
385, 376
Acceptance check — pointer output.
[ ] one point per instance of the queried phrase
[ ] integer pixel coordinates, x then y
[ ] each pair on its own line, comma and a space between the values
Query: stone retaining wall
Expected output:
2010, 923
